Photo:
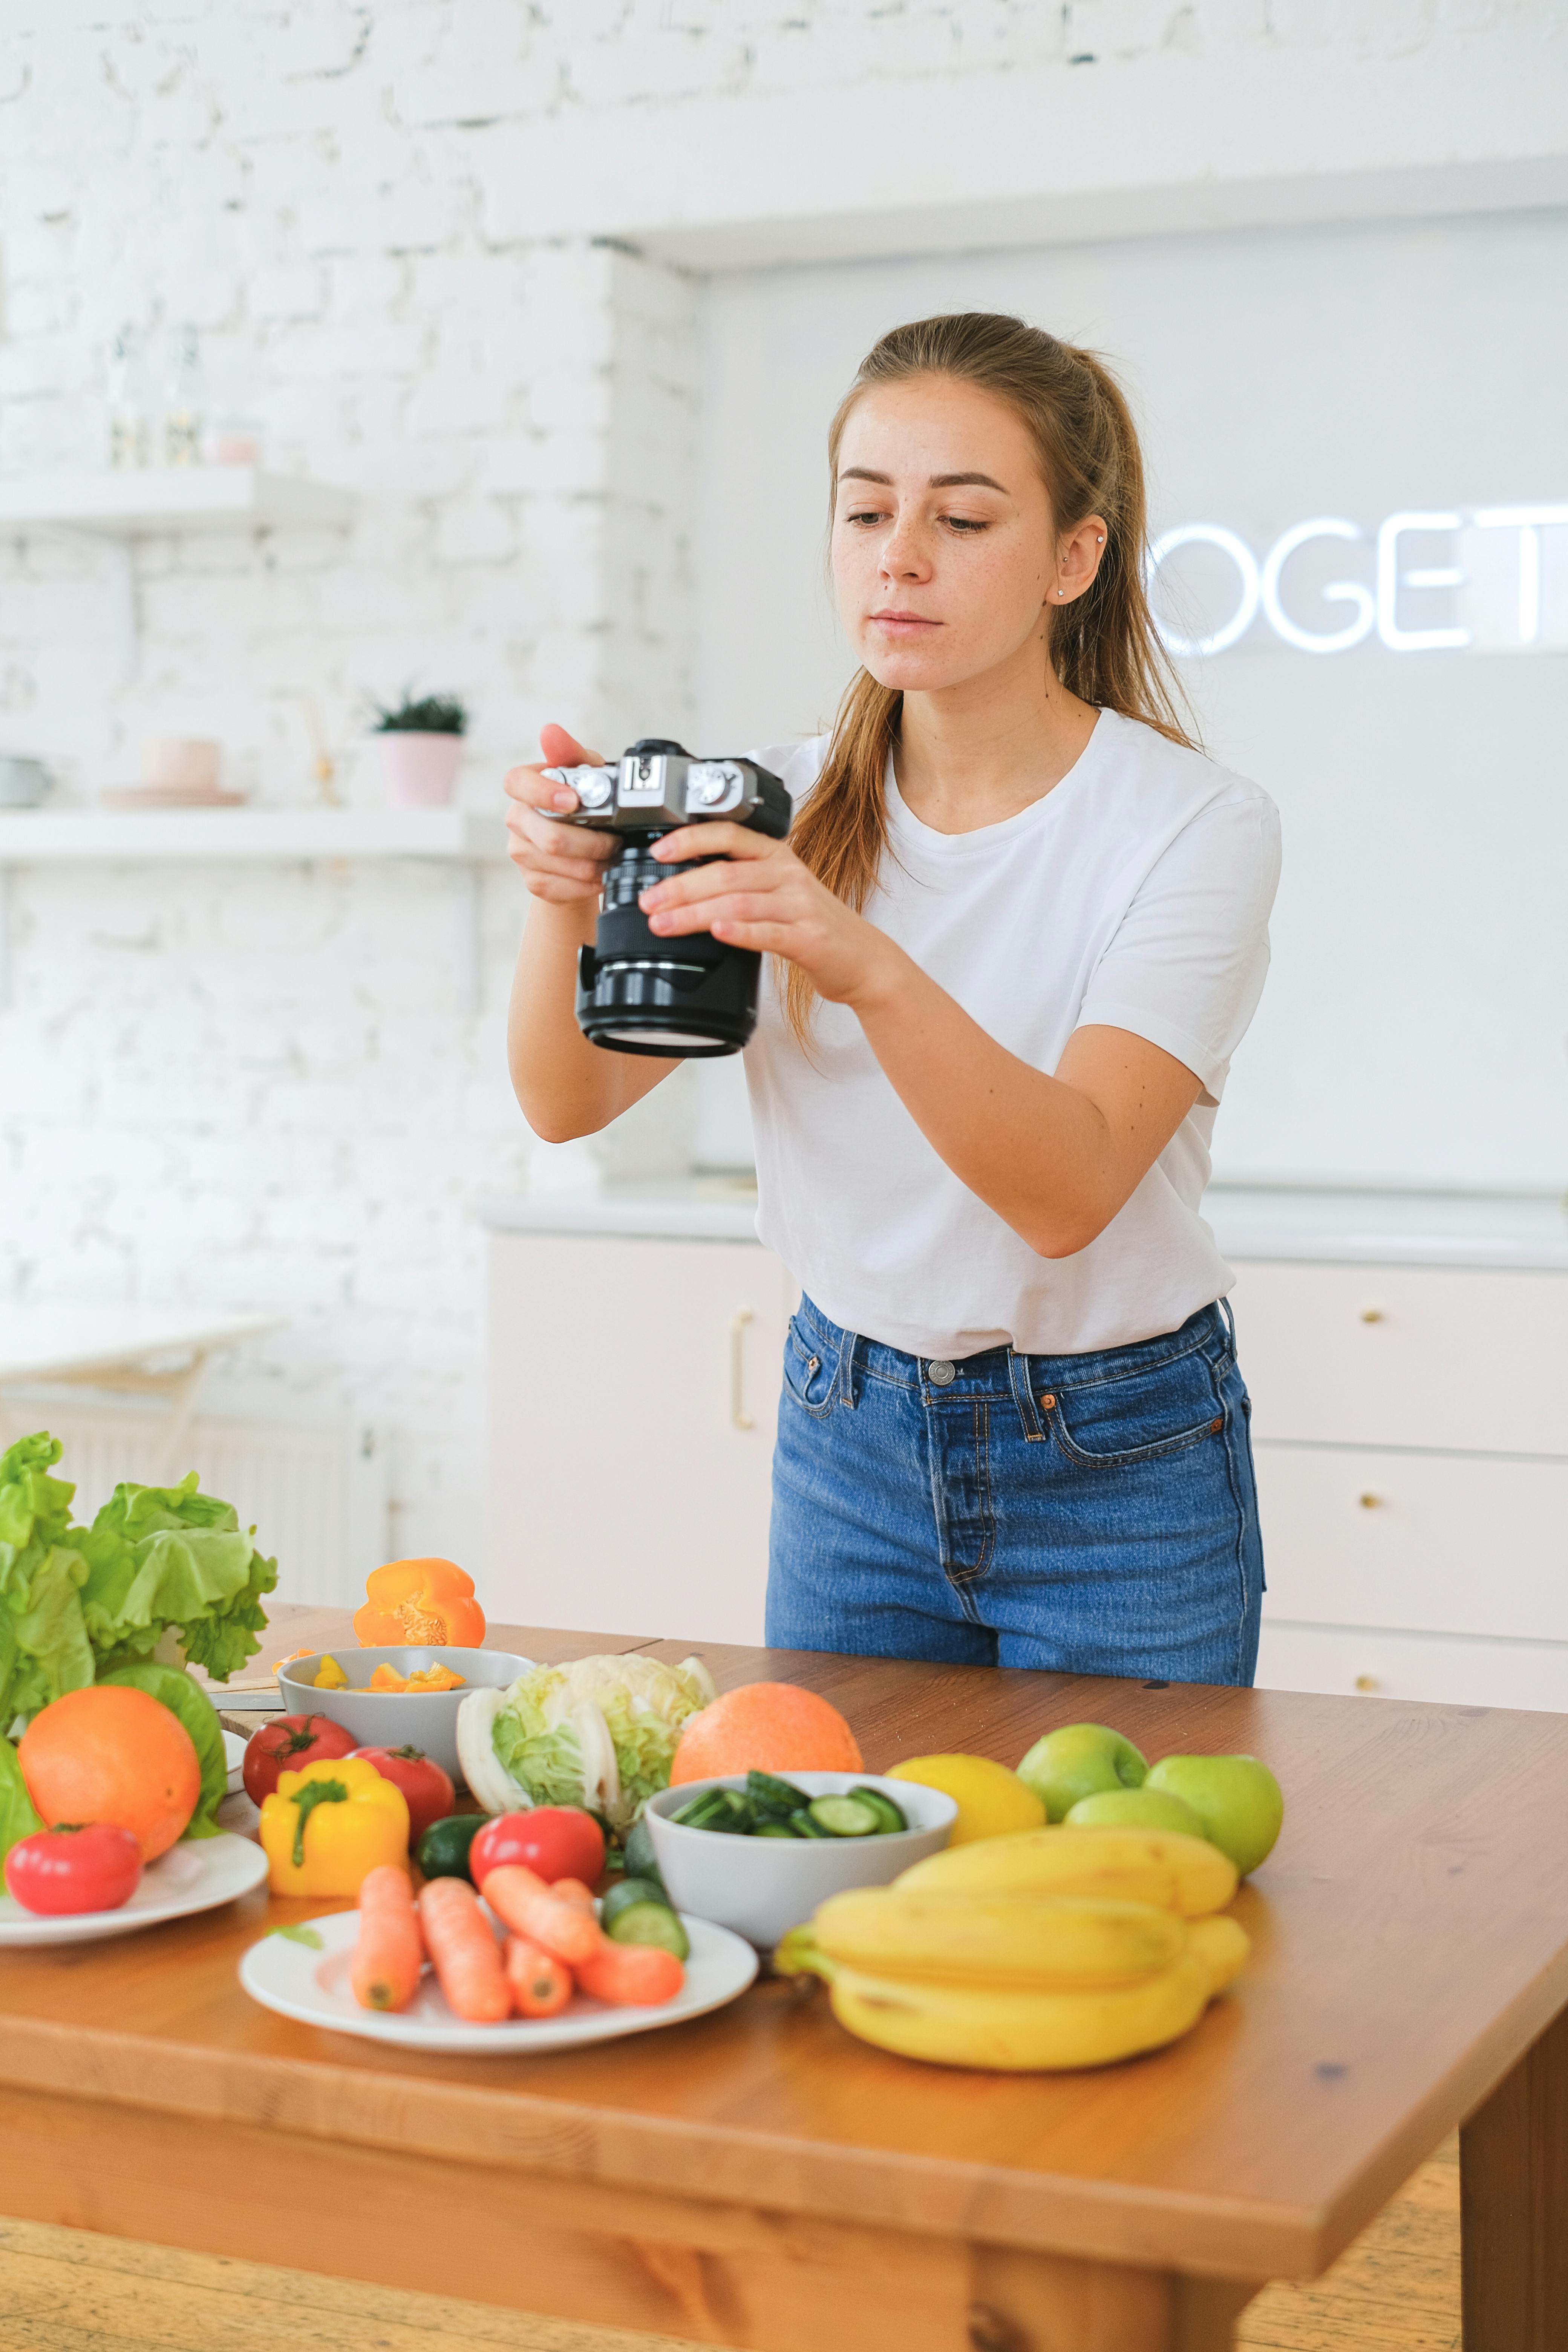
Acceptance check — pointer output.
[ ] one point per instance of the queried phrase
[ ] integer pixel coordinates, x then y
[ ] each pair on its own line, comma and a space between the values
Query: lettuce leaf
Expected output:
187, 1699
44, 1647
162, 1557
642, 1704
17, 1818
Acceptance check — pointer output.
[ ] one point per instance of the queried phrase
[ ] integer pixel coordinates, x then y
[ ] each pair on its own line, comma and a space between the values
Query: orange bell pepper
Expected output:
419, 1600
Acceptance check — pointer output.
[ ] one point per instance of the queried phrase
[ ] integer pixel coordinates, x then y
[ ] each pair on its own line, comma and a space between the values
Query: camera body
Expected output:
638, 994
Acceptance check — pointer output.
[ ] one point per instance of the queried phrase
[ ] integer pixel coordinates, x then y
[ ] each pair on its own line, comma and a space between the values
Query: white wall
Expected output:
1414, 1027
259, 1088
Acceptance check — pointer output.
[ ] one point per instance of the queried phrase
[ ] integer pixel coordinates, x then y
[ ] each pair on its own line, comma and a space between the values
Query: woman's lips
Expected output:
903, 623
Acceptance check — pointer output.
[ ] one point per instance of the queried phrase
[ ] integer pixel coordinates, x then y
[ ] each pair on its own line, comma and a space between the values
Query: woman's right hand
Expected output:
560, 863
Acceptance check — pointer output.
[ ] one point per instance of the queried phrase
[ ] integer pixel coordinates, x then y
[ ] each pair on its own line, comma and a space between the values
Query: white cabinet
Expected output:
1410, 1426
634, 1391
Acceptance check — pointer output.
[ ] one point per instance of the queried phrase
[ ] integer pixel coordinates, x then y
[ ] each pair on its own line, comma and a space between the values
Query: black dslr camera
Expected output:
638, 994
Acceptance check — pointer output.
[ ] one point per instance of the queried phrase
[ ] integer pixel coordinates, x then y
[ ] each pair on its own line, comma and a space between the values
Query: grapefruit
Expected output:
111, 1753
765, 1727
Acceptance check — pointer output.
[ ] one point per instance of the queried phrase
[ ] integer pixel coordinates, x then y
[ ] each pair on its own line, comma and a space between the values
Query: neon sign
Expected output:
1383, 605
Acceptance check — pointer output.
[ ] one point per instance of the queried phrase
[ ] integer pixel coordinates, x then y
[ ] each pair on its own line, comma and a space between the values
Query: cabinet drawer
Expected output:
1434, 1543
1414, 1665
1405, 1356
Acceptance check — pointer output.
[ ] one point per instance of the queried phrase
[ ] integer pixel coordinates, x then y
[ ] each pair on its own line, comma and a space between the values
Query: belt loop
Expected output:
1024, 1396
847, 1343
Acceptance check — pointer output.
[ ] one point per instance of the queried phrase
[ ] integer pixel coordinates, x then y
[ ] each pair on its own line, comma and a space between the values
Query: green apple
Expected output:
1238, 1799
1134, 1809
1079, 1760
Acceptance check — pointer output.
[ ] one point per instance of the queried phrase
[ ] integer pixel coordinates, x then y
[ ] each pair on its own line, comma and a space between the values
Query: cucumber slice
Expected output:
802, 1825
888, 1814
773, 1829
717, 1809
773, 1800
627, 1892
843, 1817
650, 1923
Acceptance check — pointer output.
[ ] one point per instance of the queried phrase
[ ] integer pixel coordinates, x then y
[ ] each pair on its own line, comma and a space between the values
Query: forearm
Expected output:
1038, 1152
566, 1086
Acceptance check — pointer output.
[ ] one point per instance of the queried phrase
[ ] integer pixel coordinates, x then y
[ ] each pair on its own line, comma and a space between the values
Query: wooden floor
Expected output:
1396, 2290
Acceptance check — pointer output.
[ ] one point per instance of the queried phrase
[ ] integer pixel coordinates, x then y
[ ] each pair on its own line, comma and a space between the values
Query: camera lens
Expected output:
639, 994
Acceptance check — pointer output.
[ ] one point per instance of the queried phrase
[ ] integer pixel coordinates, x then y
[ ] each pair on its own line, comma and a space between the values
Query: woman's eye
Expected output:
863, 514
966, 522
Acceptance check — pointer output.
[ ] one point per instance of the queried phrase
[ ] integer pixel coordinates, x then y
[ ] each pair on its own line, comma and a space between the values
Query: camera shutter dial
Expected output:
714, 786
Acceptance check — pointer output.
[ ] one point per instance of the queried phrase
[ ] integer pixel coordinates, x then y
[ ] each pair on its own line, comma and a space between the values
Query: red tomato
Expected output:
427, 1788
94, 1868
288, 1744
553, 1842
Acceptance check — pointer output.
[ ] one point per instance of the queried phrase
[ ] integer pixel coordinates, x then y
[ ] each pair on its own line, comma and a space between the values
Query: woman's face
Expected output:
945, 552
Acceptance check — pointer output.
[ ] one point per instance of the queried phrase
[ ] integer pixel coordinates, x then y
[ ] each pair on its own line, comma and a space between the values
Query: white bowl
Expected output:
427, 1719
762, 1887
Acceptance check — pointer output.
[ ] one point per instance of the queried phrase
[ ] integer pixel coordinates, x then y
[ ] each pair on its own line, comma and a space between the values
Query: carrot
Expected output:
390, 1953
636, 1976
467, 1959
541, 1986
573, 1891
558, 1928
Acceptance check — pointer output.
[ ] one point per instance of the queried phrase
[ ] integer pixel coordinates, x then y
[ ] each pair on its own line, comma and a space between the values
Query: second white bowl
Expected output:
762, 1887
427, 1719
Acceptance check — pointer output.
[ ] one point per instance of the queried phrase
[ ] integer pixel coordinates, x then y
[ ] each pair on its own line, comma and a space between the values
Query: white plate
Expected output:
313, 1986
191, 1877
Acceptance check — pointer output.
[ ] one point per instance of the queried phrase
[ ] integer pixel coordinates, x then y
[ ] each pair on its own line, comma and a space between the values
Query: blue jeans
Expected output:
1092, 1513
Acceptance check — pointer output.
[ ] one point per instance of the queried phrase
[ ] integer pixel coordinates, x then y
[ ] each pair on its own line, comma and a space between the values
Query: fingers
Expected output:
717, 909
720, 840
564, 750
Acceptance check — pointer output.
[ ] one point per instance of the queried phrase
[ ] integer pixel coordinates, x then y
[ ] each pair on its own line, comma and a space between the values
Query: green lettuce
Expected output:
18, 1819
599, 1733
44, 1646
187, 1699
169, 1557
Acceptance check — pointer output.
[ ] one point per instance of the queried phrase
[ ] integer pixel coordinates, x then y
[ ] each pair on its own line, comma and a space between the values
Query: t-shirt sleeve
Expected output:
1187, 963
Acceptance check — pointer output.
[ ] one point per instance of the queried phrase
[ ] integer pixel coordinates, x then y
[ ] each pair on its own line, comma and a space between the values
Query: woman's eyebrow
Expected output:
937, 482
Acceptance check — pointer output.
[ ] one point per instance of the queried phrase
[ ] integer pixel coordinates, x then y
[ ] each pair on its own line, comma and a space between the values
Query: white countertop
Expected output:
1249, 1221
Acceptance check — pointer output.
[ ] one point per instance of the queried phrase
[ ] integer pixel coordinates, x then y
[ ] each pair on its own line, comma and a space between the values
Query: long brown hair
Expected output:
1103, 645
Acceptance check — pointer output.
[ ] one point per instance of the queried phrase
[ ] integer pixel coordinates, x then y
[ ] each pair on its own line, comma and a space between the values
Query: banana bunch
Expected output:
1051, 1950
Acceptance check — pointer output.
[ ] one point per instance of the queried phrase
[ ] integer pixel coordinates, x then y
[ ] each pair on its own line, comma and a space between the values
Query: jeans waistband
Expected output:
992, 1371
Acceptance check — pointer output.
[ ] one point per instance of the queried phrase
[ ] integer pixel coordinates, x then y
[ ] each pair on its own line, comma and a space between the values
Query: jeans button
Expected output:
940, 1372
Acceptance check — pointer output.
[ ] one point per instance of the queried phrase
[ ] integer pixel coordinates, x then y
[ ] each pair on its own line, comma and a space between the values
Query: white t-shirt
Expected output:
1136, 894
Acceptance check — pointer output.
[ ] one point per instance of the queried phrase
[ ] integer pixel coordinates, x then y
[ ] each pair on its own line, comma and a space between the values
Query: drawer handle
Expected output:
1373, 1314
1370, 1502
1367, 1683
739, 1417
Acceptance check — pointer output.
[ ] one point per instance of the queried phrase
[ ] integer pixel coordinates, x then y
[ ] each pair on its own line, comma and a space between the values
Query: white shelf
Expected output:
168, 499
59, 836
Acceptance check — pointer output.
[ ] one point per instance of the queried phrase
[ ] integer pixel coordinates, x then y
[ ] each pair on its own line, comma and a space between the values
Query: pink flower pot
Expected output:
421, 770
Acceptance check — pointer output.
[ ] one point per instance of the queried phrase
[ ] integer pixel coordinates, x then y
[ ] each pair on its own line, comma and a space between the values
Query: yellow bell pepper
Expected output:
325, 1828
332, 1677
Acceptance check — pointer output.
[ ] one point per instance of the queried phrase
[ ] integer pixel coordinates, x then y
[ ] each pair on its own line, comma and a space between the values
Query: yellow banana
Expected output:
972, 2025
1224, 1945
1164, 1868
1018, 1939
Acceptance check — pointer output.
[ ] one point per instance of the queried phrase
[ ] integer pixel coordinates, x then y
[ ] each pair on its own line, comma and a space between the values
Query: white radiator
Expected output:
317, 1498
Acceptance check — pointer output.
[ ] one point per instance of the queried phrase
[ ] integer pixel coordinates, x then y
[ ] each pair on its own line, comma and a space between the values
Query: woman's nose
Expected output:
904, 557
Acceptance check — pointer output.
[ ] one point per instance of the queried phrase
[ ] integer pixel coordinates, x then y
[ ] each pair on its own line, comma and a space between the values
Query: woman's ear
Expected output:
1078, 558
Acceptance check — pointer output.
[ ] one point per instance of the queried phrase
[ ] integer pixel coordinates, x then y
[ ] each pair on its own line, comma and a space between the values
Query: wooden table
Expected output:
758, 2177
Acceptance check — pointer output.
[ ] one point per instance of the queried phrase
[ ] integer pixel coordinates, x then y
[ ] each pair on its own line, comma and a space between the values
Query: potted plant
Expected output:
421, 748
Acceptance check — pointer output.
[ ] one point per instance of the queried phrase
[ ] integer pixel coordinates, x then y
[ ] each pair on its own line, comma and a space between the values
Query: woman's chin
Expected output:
913, 669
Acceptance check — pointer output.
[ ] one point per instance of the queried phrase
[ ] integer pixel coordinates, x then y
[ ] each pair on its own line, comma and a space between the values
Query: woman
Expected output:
1018, 931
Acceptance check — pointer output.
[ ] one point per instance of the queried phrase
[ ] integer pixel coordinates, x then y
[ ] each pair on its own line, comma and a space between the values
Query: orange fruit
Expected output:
765, 1727
111, 1754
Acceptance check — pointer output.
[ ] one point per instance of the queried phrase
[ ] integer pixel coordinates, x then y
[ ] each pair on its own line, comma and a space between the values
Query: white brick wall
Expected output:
254, 1086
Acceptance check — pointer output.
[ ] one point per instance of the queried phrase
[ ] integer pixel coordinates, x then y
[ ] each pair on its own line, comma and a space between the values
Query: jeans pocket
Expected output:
810, 1369
1110, 1424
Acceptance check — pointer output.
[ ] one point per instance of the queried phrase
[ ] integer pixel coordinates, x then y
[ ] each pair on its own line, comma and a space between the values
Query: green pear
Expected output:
1238, 1799
1134, 1809
1079, 1760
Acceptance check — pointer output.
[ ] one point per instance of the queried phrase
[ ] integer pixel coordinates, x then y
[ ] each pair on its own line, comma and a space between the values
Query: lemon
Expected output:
992, 1802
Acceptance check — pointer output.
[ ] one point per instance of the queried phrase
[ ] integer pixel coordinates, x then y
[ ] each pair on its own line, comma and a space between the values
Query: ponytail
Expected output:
1103, 645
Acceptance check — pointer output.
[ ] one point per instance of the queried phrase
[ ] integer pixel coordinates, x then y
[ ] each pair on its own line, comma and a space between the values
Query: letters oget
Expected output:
1372, 607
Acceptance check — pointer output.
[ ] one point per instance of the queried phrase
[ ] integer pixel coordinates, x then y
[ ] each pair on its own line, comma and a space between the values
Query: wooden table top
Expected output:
1410, 1943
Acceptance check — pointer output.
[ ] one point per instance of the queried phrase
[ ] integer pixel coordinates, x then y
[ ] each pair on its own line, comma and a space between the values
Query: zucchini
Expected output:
843, 1817
650, 1923
624, 1894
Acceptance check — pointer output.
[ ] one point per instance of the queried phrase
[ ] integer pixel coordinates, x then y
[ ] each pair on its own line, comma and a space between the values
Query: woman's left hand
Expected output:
760, 896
